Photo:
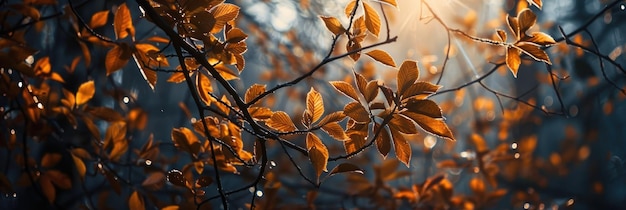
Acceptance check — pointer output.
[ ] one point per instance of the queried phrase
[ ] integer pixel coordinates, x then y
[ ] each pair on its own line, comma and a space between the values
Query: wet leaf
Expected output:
123, 22
382, 57
281, 121
333, 25
85, 92
99, 19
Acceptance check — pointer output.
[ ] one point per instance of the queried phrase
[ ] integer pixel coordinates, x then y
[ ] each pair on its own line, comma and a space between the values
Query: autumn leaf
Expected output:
99, 19
424, 107
123, 22
318, 153
420, 90
540, 38
513, 60
356, 111
434, 126
135, 202
260, 113
383, 142
85, 92
372, 20
204, 87
333, 25
382, 57
280, 121
335, 130
534, 51
153, 179
402, 124
401, 147
185, 140
222, 14
371, 91
117, 58
390, 2
407, 75
80, 166
526, 19
501, 34
537, 3
332, 117
345, 88
50, 159
314, 104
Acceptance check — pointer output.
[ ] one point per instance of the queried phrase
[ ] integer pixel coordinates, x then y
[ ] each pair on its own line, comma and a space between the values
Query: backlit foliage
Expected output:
72, 137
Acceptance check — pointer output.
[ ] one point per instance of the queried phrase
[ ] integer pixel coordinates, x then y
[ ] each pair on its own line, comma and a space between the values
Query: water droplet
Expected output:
622, 7
20, 84
526, 206
516, 155
467, 155
251, 189
15, 196
148, 162
126, 99
29, 60
12, 131
39, 105
162, 110
571, 201
100, 166
259, 193
272, 164
514, 145
193, 120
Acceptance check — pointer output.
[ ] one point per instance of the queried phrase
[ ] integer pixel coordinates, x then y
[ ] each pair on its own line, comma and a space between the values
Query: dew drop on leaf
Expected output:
272, 164
126, 99
148, 162
516, 155
514, 145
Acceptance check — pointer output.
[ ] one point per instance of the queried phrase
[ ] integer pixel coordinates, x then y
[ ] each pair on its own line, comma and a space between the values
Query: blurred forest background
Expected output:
549, 140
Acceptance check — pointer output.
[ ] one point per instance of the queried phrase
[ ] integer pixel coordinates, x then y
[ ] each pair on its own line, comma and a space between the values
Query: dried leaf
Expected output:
431, 125
420, 90
513, 60
254, 91
357, 112
534, 51
222, 14
135, 202
425, 107
85, 92
334, 130
526, 19
361, 83
383, 141
184, 139
540, 38
372, 20
235, 35
123, 22
281, 121
371, 91
407, 75
537, 3
349, 7
314, 104
345, 88
355, 49
402, 124
99, 19
382, 57
501, 35
176, 177
116, 58
345, 168
402, 147
355, 142
260, 113
332, 117
513, 24
203, 84
50, 159
333, 25
318, 153
80, 166
105, 113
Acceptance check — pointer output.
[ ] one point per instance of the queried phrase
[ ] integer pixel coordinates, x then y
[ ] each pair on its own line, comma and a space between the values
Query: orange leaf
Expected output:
43, 66
260, 113
334, 129
117, 58
318, 153
357, 112
332, 117
402, 148
314, 104
420, 90
47, 188
390, 2
203, 84
222, 14
537, 3
402, 124
59, 179
383, 141
280, 121
526, 19
85, 92
534, 51
123, 22
382, 57
513, 60
158, 39
345, 168
254, 91
371, 91
99, 19
345, 88
135, 202
80, 166
501, 35
235, 35
513, 24
477, 185
431, 125
352, 46
361, 83
355, 142
50, 159
153, 179
333, 25
350, 7
479, 143
185, 140
407, 75
540, 38
425, 107
372, 20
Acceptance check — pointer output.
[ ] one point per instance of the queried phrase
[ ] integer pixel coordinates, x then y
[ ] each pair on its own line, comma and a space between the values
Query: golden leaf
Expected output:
540, 38
477, 185
402, 124
479, 143
119, 148
105, 113
235, 35
116, 58
222, 14
318, 153
333, 25
501, 34
85, 92
334, 130
371, 91
135, 201
407, 75
350, 7
314, 104
153, 179
382, 57
355, 142
534, 51
357, 112
383, 141
226, 72
345, 88
99, 19
345, 168
526, 19
185, 140
260, 113
158, 39
537, 3
513, 60
402, 147
353, 46
176, 77
390, 2
123, 22
43, 67
47, 188
361, 83
372, 20
280, 121
50, 159
332, 117
431, 125
253, 92
80, 166
425, 107
203, 84
171, 207
513, 24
